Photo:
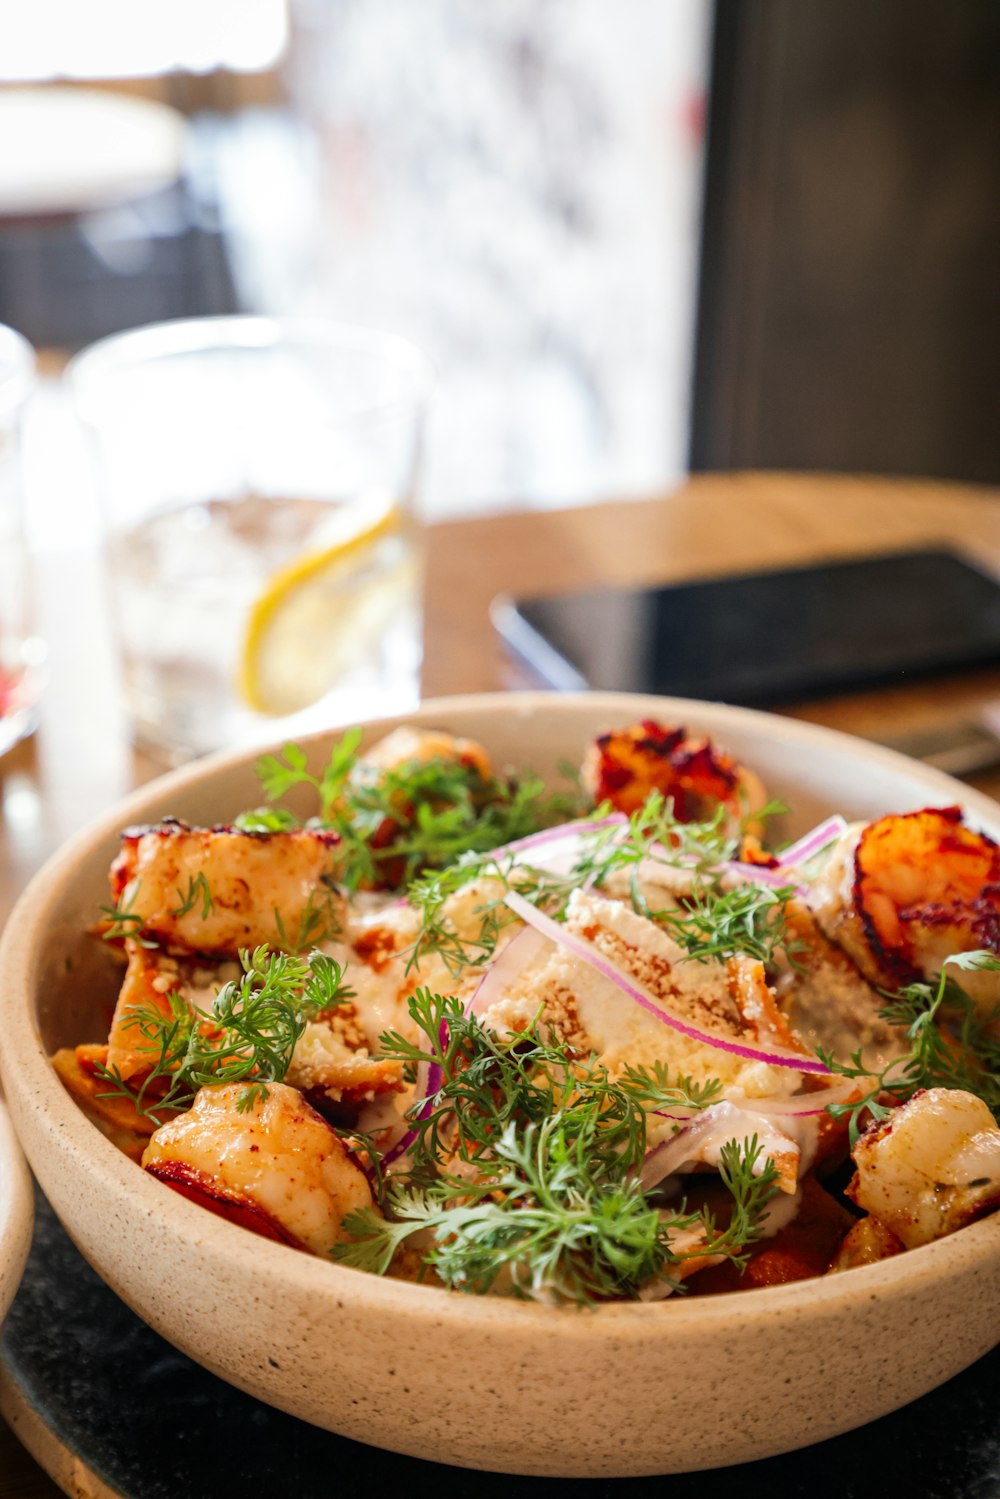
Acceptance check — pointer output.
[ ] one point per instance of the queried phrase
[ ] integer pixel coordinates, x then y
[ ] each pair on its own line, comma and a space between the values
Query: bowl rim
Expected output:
32, 1084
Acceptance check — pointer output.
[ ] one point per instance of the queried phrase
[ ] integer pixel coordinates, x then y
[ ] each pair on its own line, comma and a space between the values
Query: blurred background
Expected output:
634, 240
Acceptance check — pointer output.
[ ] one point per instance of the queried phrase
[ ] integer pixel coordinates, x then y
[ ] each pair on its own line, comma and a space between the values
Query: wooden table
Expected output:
80, 759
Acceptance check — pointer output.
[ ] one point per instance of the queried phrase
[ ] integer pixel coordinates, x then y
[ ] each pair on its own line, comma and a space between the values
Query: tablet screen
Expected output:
760, 638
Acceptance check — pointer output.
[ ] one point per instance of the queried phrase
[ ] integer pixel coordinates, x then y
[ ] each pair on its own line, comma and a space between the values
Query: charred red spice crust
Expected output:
229, 1205
689, 771
898, 962
123, 867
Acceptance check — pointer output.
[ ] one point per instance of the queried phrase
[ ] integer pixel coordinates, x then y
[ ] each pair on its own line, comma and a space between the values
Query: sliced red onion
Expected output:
754, 874
811, 843
581, 948
547, 846
557, 849
429, 1079
518, 953
667, 1157
760, 874
500, 975
718, 1124
802, 1106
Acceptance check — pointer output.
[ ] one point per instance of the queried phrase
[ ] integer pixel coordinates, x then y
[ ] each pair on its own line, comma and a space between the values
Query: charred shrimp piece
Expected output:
214, 891
930, 1168
332, 1062
154, 981
407, 771
625, 766
113, 1114
901, 894
866, 1243
412, 746
276, 1168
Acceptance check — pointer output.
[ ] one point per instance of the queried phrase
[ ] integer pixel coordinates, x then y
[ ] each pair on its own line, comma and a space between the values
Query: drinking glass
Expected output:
21, 650
258, 478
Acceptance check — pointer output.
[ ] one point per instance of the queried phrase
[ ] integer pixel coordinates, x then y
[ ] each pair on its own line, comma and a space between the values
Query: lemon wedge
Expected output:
315, 618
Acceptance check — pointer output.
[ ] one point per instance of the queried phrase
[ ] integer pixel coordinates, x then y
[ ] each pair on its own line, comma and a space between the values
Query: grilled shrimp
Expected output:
215, 890
625, 766
112, 1113
408, 745
931, 1167
150, 979
405, 749
866, 1243
277, 1169
331, 1061
903, 893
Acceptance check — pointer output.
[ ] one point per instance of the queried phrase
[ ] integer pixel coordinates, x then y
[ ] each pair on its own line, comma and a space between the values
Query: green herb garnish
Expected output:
197, 891
525, 1170
708, 921
951, 1045
394, 824
712, 922
123, 920
248, 1035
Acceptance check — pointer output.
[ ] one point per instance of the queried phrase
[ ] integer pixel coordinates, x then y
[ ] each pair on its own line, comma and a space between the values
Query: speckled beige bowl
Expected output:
17, 1211
627, 1389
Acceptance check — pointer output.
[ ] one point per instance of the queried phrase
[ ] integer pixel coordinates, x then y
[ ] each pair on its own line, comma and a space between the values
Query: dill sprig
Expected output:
751, 1183
123, 920
198, 892
319, 920
655, 1088
248, 1035
437, 933
950, 1045
655, 834
491, 1080
713, 922
422, 815
524, 1170
545, 1222
709, 921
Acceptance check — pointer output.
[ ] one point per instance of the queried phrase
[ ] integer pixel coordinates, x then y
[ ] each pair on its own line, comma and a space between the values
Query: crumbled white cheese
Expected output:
583, 1007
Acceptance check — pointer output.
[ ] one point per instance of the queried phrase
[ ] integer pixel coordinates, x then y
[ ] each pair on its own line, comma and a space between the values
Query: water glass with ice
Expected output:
257, 479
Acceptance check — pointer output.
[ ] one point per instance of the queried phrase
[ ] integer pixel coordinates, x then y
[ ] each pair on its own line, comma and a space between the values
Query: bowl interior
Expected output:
814, 771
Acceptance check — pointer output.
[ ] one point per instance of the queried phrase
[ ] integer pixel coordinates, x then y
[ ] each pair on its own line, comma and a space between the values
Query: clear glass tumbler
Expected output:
258, 481
21, 650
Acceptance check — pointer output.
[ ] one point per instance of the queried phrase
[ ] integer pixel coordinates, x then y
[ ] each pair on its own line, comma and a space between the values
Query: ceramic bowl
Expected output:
484, 1382
17, 1211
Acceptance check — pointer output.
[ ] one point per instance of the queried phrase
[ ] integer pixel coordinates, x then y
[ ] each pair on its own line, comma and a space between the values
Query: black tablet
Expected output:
766, 637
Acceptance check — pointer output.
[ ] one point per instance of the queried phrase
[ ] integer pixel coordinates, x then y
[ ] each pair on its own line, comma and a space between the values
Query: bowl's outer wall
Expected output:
478, 1381
17, 1211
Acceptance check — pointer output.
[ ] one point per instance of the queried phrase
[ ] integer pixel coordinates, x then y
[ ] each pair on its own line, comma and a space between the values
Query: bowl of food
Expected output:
604, 1123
